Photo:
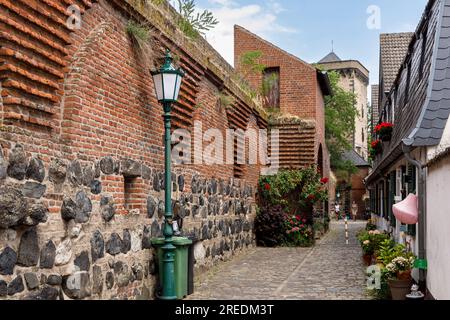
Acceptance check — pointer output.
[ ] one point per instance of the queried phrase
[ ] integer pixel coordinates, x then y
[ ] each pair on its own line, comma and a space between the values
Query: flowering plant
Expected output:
384, 130
371, 241
376, 148
400, 268
298, 233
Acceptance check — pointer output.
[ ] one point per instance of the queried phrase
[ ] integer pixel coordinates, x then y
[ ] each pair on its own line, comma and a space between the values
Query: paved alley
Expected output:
329, 271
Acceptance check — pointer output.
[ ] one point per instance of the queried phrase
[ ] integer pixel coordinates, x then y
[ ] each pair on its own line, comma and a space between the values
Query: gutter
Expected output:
407, 147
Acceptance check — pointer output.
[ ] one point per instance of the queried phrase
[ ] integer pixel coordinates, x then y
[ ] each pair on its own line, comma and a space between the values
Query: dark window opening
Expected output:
422, 56
131, 190
271, 87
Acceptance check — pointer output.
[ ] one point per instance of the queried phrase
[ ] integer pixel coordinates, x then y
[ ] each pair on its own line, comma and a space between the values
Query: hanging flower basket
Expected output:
376, 149
384, 131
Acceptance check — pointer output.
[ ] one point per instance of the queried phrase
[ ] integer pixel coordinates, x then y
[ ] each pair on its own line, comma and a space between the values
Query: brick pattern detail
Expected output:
302, 127
33, 56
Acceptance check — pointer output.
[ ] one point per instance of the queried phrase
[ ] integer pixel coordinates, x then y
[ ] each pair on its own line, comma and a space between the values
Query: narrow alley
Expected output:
330, 270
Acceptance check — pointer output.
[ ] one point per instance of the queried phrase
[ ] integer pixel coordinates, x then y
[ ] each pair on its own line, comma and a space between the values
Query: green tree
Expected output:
340, 114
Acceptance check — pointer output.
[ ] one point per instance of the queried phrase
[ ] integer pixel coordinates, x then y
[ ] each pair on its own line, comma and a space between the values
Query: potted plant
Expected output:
367, 247
399, 277
384, 131
376, 148
398, 265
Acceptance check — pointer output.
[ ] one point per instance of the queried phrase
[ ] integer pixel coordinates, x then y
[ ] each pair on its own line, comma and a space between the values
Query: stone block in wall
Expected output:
48, 254
77, 285
28, 254
16, 286
13, 206
18, 163
97, 246
46, 293
8, 260
114, 245
75, 173
31, 280
63, 253
107, 165
35, 170
131, 168
107, 208
57, 171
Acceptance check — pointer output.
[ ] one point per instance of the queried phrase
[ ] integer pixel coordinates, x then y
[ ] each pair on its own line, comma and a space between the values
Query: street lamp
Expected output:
167, 82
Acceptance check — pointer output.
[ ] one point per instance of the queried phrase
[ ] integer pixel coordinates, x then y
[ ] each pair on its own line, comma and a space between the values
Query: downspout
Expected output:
421, 191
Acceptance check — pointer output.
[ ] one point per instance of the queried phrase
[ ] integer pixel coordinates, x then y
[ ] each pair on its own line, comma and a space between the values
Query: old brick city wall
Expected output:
81, 163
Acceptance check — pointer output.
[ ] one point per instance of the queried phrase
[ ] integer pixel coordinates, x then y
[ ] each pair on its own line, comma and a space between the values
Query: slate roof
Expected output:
355, 158
393, 50
435, 114
331, 57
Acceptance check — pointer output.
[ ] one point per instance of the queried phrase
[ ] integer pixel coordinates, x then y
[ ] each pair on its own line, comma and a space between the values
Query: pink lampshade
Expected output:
407, 211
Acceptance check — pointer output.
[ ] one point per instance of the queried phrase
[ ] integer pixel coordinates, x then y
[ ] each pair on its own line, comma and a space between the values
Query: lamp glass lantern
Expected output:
167, 81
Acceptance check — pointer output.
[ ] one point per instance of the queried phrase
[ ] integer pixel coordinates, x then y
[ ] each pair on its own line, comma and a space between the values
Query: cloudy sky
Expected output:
306, 28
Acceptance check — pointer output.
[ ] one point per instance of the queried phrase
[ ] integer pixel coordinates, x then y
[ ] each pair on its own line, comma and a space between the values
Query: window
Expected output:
362, 112
363, 135
131, 193
271, 87
352, 85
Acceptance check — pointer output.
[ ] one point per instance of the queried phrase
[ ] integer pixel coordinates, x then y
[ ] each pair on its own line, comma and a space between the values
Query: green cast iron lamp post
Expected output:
167, 81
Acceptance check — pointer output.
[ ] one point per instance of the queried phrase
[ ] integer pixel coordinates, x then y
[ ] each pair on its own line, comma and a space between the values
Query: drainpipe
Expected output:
407, 148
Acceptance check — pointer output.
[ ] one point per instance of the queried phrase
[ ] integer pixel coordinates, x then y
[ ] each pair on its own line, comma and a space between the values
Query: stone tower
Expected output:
354, 78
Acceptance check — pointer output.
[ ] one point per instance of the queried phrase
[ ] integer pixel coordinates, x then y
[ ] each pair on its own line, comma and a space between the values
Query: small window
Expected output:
271, 87
352, 85
363, 135
131, 194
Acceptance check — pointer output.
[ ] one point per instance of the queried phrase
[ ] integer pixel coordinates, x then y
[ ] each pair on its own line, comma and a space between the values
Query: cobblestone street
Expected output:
329, 271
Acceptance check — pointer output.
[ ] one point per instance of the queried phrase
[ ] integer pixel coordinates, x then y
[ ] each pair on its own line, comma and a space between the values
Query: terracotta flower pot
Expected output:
404, 275
400, 288
367, 259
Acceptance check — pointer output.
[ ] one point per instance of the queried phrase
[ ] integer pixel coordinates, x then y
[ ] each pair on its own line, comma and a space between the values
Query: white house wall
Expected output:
438, 226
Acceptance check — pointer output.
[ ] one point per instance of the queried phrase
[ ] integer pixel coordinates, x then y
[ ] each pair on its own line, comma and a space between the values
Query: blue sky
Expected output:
306, 28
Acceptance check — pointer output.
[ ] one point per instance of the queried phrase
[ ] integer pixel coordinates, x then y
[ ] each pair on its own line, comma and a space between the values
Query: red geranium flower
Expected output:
375, 144
311, 197
298, 218
324, 180
267, 186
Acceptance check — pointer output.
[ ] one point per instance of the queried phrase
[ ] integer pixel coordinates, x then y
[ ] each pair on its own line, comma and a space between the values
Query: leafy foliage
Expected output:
296, 192
192, 22
340, 114
371, 241
139, 31
269, 226
250, 63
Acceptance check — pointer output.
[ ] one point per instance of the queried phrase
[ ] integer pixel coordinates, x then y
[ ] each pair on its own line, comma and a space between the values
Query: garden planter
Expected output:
400, 288
386, 138
367, 259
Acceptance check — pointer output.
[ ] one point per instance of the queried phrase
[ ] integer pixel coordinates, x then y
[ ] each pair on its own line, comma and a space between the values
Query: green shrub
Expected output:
294, 193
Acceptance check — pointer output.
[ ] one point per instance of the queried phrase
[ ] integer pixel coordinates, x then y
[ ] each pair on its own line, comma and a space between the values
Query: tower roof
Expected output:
331, 57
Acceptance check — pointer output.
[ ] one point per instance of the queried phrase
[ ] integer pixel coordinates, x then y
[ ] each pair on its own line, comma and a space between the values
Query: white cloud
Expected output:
259, 19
